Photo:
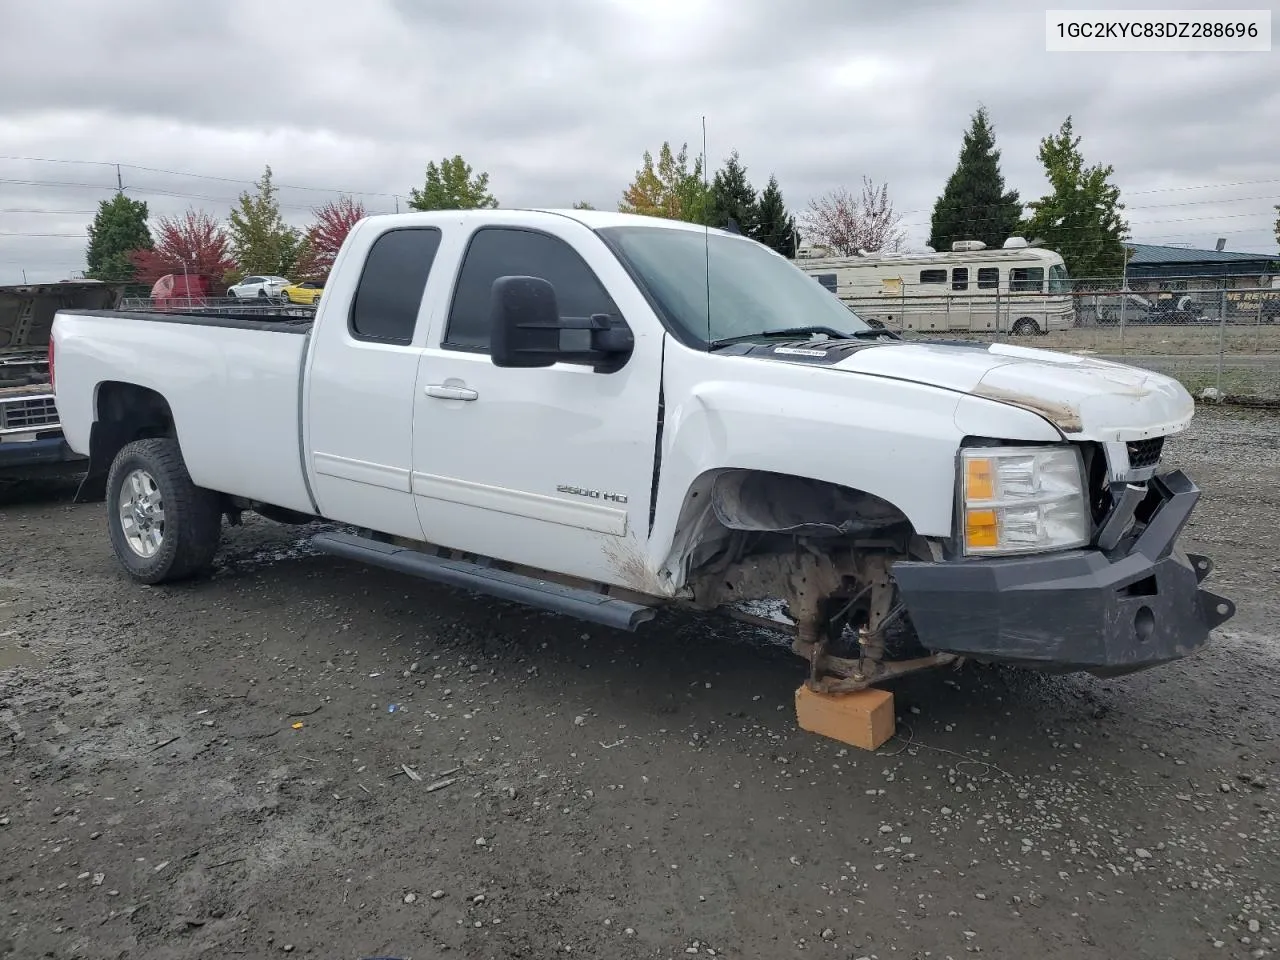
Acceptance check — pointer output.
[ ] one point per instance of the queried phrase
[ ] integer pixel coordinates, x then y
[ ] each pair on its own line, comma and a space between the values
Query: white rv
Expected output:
1017, 289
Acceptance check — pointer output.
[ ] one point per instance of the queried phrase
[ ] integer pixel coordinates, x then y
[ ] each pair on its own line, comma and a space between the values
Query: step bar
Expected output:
530, 591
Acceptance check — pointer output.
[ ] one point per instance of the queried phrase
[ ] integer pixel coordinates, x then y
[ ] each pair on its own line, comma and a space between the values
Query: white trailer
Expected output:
1017, 289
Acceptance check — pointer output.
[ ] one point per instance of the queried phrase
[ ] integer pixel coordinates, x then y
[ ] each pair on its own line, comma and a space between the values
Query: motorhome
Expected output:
1017, 289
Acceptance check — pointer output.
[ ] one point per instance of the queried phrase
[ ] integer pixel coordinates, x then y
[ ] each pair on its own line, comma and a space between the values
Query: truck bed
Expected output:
233, 384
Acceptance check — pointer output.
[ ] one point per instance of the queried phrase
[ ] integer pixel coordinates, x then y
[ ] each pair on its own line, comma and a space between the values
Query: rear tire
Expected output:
1025, 327
163, 528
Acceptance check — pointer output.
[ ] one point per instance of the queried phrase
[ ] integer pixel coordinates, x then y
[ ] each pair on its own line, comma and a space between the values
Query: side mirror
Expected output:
526, 330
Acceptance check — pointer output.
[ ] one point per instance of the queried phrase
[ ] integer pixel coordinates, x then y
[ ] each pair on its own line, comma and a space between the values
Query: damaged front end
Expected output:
867, 599
1129, 600
824, 551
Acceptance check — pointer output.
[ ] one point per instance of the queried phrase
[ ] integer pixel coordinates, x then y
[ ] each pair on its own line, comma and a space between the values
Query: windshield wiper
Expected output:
788, 332
799, 332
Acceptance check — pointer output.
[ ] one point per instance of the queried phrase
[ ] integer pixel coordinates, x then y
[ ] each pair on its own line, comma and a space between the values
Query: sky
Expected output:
557, 100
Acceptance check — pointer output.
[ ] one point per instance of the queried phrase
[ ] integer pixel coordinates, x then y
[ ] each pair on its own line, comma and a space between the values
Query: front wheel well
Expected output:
125, 412
730, 513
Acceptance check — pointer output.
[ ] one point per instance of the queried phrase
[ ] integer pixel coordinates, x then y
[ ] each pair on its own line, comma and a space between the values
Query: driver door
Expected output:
548, 467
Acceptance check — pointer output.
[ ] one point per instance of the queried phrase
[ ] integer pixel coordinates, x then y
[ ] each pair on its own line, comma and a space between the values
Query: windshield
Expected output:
1058, 282
752, 290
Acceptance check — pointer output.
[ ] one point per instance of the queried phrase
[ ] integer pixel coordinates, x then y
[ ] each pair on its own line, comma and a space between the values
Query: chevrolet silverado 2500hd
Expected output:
602, 414
31, 442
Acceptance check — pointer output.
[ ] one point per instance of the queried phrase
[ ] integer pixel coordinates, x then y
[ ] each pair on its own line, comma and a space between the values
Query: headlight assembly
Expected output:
1023, 500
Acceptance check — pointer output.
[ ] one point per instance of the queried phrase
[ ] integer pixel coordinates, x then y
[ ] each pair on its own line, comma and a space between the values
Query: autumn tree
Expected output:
118, 229
324, 238
1080, 218
261, 241
974, 204
668, 188
1278, 224
775, 227
194, 244
732, 197
452, 185
845, 223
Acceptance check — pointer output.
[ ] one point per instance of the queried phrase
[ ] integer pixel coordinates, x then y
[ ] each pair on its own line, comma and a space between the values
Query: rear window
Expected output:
385, 307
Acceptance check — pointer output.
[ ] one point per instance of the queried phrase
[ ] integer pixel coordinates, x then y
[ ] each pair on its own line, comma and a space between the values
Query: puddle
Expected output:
13, 655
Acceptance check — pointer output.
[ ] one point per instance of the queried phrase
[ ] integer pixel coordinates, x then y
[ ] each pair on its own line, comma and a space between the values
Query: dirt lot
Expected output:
218, 770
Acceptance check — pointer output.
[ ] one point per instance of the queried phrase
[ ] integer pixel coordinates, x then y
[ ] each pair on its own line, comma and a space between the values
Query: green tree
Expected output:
1278, 224
452, 186
1081, 218
583, 205
974, 204
733, 197
118, 229
774, 226
261, 241
668, 188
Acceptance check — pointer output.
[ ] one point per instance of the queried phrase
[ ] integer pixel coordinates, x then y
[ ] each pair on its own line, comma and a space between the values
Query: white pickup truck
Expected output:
602, 415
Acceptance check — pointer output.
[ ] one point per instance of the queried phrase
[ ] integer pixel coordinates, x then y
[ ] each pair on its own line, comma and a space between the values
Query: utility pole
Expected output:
119, 179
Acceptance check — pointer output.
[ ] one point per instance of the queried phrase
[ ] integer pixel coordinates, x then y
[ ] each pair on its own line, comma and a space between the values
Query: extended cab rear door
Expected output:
359, 400
550, 467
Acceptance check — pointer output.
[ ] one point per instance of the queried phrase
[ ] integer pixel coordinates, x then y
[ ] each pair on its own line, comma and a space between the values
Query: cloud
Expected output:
558, 100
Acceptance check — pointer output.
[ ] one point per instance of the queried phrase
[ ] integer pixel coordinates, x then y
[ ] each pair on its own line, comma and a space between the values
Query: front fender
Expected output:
890, 438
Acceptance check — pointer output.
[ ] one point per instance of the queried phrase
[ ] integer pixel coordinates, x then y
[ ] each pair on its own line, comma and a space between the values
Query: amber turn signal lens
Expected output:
981, 529
979, 481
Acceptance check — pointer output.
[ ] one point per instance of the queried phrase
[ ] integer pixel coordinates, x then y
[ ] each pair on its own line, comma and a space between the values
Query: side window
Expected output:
933, 276
988, 278
960, 278
509, 251
385, 307
1026, 279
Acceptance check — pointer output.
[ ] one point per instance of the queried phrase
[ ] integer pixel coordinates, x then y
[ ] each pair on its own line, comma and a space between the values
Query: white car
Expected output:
601, 415
259, 286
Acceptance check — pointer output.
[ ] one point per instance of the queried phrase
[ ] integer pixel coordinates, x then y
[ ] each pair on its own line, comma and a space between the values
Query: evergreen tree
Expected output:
1081, 218
118, 229
452, 186
775, 228
974, 204
261, 241
733, 198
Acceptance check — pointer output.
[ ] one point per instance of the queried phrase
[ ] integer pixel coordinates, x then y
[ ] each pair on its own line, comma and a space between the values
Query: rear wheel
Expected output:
162, 526
1025, 327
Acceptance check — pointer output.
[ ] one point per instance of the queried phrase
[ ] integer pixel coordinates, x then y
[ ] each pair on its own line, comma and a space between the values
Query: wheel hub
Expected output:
141, 513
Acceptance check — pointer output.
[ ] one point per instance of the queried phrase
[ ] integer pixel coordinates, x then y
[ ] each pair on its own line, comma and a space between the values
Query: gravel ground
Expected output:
303, 756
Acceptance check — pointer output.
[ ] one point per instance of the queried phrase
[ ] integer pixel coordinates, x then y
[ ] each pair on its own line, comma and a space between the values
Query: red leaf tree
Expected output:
324, 238
193, 244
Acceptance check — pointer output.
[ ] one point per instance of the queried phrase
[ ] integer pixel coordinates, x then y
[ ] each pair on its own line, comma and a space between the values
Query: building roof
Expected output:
1148, 254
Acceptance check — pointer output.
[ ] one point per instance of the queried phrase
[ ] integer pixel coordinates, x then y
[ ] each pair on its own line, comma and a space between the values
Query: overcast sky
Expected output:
558, 99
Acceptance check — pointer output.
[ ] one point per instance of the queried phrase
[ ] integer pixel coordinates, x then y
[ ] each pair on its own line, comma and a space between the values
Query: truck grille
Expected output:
29, 413
1145, 453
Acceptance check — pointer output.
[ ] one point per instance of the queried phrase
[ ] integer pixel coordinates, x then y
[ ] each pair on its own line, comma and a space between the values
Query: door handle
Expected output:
442, 392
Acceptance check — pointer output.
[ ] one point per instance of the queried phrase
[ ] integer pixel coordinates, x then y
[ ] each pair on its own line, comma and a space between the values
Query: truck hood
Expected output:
26, 310
1085, 398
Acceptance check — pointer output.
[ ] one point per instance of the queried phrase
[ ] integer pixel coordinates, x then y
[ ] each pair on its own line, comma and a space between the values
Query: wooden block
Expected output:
862, 719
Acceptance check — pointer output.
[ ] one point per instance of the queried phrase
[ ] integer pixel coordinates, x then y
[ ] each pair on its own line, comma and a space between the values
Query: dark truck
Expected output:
31, 442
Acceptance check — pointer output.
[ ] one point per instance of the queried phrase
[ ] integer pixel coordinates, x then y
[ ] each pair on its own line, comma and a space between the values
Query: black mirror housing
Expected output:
526, 329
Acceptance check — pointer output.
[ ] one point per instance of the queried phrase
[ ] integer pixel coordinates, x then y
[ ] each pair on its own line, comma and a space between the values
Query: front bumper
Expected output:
1105, 612
43, 457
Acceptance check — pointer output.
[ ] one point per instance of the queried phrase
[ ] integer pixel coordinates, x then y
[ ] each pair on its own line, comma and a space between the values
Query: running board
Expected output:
543, 594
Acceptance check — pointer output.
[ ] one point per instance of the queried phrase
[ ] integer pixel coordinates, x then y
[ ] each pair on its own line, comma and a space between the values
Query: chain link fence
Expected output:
1219, 337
